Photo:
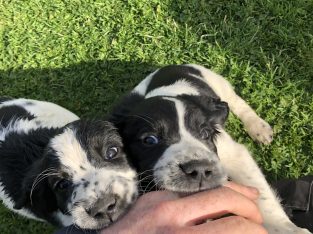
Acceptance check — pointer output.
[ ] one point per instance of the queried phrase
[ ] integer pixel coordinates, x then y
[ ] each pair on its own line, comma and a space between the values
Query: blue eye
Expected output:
150, 140
111, 153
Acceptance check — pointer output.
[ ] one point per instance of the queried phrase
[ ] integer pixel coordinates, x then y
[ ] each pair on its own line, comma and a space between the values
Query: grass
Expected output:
85, 54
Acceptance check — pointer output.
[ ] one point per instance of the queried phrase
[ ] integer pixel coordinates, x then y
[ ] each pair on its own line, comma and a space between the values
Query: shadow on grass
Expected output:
87, 88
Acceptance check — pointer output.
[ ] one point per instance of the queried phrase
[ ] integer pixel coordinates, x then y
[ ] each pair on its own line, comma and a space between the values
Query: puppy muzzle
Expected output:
190, 173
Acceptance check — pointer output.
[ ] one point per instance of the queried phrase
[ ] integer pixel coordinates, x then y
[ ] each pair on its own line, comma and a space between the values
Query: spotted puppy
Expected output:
77, 173
172, 126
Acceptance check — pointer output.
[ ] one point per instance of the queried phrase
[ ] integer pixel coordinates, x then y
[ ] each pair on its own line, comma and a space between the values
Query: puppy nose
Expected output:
103, 207
197, 169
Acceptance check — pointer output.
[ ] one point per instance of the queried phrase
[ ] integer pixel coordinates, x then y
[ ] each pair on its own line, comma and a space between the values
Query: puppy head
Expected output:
88, 173
171, 139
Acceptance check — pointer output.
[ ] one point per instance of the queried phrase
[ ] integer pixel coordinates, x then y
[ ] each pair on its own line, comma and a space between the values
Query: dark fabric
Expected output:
73, 230
297, 199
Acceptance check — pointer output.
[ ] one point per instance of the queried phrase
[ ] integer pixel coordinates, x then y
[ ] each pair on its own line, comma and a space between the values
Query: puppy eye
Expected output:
111, 153
63, 184
150, 140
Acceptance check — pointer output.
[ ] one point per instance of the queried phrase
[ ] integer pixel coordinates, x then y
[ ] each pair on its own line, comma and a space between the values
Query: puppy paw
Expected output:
259, 130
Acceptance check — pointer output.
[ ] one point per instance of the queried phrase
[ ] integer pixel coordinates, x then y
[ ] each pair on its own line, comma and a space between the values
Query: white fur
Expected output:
178, 88
100, 180
256, 127
242, 169
185, 136
73, 156
18, 126
121, 182
46, 114
234, 155
188, 148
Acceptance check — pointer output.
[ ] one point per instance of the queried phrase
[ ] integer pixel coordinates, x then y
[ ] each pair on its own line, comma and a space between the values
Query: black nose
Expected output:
197, 169
103, 207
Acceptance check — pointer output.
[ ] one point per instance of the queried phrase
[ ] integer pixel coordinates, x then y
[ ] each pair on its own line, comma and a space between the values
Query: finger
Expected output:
228, 225
214, 204
247, 191
156, 197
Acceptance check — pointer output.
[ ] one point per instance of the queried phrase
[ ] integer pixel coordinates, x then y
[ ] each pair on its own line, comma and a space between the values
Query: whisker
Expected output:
36, 183
145, 171
147, 187
143, 118
155, 187
145, 178
41, 176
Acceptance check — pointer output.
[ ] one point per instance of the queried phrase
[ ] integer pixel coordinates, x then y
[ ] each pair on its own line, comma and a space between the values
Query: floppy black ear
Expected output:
121, 109
216, 110
29, 187
219, 111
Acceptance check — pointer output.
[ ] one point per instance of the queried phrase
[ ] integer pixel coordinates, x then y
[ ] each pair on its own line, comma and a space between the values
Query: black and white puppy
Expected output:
57, 168
172, 127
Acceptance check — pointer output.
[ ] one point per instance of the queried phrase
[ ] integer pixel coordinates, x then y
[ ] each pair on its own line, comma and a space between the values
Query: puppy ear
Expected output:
122, 109
219, 112
28, 184
216, 110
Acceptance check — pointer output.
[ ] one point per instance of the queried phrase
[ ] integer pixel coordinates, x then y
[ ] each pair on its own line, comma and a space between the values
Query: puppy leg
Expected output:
241, 168
256, 127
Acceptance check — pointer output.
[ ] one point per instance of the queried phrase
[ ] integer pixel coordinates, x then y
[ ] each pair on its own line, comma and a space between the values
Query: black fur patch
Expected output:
144, 120
170, 74
8, 113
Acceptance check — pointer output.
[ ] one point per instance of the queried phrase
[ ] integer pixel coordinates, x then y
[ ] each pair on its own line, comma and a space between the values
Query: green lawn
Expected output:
84, 54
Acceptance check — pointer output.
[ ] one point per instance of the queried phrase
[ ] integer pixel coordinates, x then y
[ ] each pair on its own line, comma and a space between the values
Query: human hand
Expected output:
163, 212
